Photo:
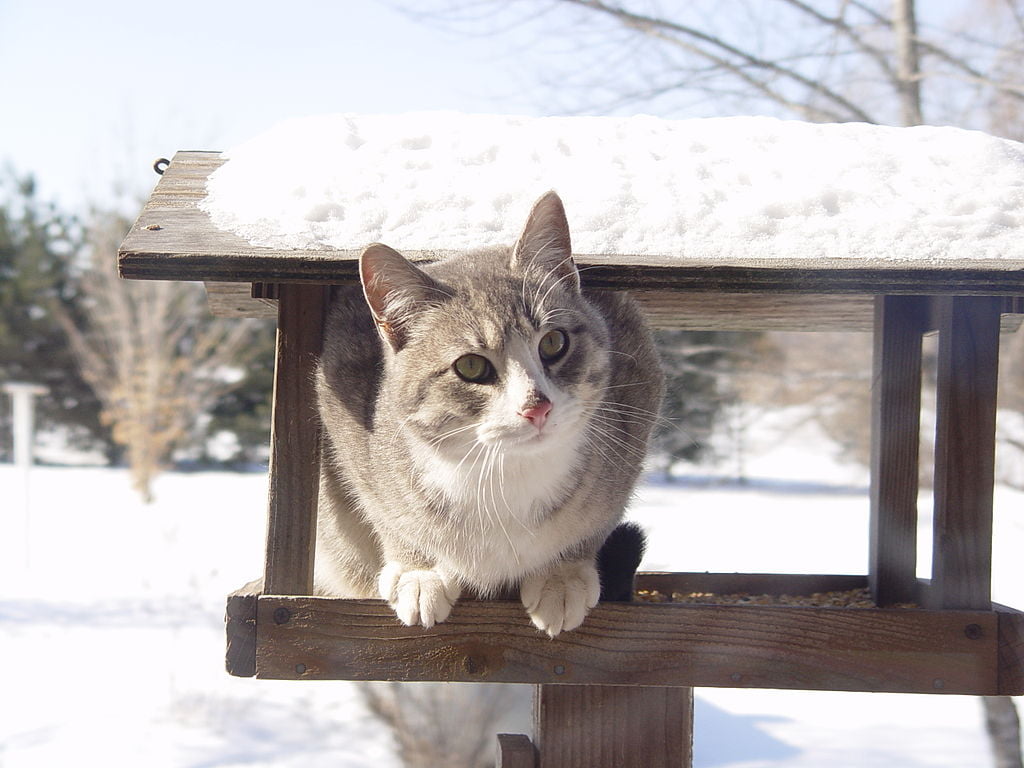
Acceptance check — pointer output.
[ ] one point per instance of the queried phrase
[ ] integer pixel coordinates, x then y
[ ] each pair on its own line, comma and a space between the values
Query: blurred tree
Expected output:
38, 247
151, 352
244, 411
698, 368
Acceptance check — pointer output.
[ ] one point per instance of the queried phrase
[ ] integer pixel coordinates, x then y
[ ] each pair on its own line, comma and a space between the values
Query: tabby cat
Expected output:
485, 421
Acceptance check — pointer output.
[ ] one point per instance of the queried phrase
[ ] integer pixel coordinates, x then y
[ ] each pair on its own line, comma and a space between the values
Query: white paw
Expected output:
558, 600
421, 597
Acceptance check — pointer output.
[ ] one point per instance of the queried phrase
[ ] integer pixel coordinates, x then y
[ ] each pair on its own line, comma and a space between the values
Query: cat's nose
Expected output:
537, 414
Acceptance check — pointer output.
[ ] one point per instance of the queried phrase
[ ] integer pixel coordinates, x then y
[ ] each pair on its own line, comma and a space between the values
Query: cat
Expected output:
485, 420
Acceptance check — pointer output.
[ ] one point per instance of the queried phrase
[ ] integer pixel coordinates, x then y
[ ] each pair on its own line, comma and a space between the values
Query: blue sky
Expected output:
94, 91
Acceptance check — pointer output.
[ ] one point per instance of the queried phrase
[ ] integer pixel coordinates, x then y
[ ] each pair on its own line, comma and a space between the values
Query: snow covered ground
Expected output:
111, 639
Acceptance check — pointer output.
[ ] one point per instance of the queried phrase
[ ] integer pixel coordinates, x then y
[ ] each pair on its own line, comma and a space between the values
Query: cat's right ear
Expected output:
394, 288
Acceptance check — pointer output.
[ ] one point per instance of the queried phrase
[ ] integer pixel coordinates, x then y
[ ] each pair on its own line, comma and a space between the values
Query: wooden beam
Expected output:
608, 726
515, 751
730, 646
965, 450
1011, 651
294, 442
895, 441
240, 628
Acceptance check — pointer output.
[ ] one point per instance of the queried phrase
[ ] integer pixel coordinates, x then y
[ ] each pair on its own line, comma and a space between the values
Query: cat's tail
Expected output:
617, 561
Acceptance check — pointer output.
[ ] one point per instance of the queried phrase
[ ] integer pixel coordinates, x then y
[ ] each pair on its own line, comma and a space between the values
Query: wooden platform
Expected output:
900, 650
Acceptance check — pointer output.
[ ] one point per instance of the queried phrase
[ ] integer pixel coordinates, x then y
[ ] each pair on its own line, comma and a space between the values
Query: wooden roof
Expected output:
174, 240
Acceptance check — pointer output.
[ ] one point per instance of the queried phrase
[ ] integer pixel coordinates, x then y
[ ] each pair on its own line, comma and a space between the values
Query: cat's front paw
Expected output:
558, 600
422, 597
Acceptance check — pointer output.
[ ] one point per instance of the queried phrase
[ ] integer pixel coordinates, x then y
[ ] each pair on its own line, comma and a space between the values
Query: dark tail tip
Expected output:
618, 560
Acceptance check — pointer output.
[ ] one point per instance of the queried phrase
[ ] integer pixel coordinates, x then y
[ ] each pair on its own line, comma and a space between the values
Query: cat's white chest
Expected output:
497, 505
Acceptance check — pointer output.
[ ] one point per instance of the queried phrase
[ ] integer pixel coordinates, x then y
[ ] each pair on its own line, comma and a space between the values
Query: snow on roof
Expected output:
721, 188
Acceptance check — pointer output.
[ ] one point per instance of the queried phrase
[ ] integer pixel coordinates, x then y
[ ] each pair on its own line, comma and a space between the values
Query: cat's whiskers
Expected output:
436, 441
624, 354
577, 270
497, 514
399, 429
557, 312
610, 423
614, 443
632, 413
568, 275
620, 386
501, 480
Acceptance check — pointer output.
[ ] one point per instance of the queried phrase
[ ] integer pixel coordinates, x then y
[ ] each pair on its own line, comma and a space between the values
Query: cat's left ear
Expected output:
545, 245
395, 289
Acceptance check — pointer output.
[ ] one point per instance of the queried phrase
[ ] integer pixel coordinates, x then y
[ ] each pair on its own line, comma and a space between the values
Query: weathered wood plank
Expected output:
608, 726
235, 300
965, 450
895, 440
515, 751
174, 240
843, 649
240, 628
1011, 651
294, 442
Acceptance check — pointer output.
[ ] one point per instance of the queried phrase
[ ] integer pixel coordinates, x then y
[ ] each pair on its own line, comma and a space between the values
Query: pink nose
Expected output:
537, 414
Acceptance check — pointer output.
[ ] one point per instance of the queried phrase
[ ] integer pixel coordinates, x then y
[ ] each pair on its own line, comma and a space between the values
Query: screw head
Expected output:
282, 616
973, 631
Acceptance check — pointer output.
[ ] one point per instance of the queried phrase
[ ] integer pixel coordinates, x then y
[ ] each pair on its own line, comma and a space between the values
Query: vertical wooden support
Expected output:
965, 451
895, 438
515, 751
294, 442
611, 726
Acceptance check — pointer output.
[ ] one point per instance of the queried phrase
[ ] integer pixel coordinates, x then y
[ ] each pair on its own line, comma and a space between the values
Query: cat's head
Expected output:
497, 349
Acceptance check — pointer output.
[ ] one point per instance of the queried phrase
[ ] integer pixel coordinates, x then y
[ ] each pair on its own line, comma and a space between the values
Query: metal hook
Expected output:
160, 165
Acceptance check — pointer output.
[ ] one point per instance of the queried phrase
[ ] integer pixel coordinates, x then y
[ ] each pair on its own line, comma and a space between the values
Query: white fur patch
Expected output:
559, 600
501, 499
422, 597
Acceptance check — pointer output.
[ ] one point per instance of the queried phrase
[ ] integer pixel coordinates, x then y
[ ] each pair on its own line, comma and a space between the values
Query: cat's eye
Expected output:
474, 368
553, 345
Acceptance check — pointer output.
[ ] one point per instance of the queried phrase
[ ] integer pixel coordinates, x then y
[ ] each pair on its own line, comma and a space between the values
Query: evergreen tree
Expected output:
38, 245
697, 366
245, 410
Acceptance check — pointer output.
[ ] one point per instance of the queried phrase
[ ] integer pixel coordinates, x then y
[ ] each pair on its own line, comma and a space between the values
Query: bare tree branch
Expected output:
665, 30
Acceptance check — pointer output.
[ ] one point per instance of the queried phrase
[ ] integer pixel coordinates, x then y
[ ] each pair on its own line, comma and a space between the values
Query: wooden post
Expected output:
613, 726
965, 451
895, 439
294, 442
515, 751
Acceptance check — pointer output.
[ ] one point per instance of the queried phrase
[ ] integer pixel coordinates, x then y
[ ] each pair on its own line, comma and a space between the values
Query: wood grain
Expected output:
515, 751
843, 649
895, 440
965, 451
294, 442
1011, 651
174, 240
240, 628
592, 726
